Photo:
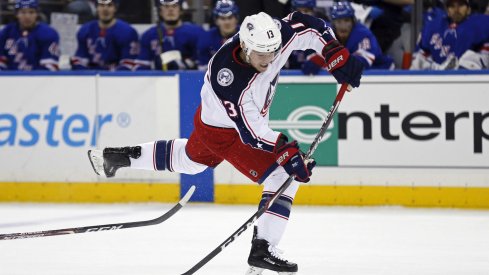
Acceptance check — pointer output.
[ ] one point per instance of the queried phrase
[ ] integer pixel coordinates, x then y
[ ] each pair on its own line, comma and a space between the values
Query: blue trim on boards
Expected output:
190, 86
399, 72
190, 83
91, 73
198, 73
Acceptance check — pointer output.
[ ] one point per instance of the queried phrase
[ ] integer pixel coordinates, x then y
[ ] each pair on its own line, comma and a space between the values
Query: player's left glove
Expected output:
344, 68
291, 159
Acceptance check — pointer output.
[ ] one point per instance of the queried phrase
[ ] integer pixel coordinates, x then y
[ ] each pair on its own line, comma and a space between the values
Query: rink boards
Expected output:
415, 140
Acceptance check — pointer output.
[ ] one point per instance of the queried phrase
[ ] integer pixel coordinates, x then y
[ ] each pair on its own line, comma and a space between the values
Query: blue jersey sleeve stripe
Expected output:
169, 155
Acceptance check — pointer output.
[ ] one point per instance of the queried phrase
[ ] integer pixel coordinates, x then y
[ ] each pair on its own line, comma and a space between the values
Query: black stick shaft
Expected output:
102, 227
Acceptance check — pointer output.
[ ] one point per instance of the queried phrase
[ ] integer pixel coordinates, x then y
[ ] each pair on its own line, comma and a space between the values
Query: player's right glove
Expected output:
291, 159
341, 65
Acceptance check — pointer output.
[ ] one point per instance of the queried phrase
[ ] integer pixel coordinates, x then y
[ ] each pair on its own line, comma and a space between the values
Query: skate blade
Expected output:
253, 270
97, 160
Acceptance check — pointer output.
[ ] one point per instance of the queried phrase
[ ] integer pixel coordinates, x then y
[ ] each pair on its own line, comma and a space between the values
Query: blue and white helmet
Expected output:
303, 4
225, 8
342, 9
26, 4
260, 33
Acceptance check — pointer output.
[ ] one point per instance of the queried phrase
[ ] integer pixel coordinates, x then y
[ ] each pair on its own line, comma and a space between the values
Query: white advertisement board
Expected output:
418, 121
47, 124
424, 130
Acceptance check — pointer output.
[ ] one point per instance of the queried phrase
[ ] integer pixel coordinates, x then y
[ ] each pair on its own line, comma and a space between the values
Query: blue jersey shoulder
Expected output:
480, 22
7, 29
149, 33
88, 28
124, 31
211, 35
361, 30
123, 25
42, 32
46, 33
190, 28
362, 37
229, 76
208, 43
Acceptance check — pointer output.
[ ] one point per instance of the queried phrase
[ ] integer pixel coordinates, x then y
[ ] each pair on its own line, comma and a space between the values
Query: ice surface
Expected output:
322, 240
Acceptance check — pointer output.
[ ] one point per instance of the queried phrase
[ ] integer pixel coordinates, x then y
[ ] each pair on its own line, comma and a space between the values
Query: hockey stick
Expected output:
104, 227
285, 185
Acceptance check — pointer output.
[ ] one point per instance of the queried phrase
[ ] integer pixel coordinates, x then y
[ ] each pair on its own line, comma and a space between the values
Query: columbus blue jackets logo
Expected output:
270, 95
225, 77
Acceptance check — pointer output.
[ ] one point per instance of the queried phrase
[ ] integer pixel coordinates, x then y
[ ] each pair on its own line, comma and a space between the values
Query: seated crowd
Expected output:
452, 37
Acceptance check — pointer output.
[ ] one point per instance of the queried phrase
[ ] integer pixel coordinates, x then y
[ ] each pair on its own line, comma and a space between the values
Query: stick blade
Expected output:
96, 158
187, 196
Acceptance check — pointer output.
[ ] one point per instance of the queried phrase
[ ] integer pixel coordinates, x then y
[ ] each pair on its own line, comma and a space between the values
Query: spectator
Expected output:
386, 26
171, 44
453, 40
298, 59
357, 38
27, 44
107, 43
226, 18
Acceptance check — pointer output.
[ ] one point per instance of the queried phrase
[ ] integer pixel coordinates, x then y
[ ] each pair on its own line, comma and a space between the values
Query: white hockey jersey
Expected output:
235, 95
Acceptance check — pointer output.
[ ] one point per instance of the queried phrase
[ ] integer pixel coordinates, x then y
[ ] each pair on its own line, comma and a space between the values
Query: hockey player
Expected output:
226, 18
453, 40
232, 122
107, 43
172, 44
356, 37
27, 44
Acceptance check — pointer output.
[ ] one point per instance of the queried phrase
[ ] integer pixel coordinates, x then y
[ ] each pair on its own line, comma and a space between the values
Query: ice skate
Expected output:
107, 162
264, 256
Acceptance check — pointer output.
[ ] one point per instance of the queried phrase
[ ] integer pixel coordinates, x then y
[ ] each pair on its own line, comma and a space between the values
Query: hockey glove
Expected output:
313, 64
344, 68
290, 158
